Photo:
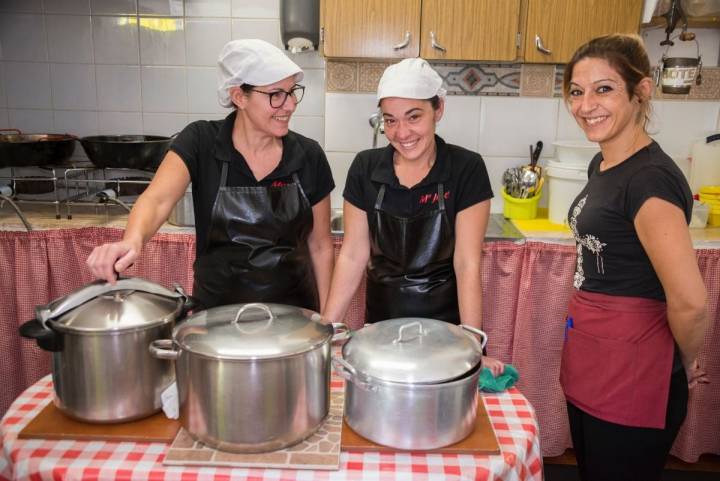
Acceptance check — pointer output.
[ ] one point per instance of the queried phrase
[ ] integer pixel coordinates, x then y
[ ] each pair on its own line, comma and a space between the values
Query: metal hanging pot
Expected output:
143, 152
412, 382
23, 150
99, 337
252, 377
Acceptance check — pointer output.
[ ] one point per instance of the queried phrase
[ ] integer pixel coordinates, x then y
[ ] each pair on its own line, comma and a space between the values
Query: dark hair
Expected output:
247, 88
624, 53
434, 102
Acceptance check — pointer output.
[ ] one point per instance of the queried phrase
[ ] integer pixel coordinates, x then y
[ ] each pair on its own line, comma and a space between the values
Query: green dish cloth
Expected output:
506, 380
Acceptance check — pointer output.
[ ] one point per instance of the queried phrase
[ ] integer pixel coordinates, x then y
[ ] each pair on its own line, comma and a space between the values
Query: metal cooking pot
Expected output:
23, 150
412, 382
99, 336
126, 151
252, 377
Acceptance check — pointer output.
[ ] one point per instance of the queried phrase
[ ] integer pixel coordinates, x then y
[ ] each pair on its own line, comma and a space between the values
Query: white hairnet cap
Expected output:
412, 78
254, 62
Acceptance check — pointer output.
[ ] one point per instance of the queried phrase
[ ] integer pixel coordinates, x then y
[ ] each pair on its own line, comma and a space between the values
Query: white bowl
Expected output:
575, 151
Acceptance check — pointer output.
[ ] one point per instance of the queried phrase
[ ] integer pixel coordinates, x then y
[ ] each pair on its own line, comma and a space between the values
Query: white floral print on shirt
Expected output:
589, 241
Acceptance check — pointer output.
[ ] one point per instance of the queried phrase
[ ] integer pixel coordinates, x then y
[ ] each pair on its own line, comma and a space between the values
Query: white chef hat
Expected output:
412, 78
254, 62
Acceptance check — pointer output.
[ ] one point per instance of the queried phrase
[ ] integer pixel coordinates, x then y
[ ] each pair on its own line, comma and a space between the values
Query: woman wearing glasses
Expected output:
260, 192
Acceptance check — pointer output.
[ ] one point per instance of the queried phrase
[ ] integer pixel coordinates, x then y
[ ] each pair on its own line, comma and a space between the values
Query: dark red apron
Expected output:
617, 358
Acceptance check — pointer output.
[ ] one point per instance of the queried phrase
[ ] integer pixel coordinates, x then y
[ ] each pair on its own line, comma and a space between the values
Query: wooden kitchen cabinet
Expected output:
561, 26
370, 28
470, 29
463, 29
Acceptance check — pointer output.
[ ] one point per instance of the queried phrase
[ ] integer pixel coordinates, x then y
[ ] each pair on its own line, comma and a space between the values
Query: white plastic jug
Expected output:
705, 163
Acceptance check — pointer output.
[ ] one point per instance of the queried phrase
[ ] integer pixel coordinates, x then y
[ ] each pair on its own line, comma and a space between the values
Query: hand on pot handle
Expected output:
109, 260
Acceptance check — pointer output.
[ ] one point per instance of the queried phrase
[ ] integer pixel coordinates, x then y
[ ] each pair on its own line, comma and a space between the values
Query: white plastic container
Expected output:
705, 164
575, 151
564, 183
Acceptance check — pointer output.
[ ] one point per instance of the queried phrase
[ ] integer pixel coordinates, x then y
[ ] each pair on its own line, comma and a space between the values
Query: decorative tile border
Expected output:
510, 80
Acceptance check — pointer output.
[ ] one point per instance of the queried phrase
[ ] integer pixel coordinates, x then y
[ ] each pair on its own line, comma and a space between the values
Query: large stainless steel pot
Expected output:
99, 336
251, 377
22, 150
412, 382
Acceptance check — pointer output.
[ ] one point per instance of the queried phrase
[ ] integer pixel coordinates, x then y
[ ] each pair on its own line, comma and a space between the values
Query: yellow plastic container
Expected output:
520, 208
710, 195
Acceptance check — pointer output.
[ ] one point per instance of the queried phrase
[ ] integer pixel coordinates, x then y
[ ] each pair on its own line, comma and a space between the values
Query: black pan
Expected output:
25, 150
143, 152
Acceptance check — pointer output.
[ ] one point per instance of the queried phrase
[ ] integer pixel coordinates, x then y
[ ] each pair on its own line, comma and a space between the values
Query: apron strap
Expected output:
441, 196
223, 174
381, 195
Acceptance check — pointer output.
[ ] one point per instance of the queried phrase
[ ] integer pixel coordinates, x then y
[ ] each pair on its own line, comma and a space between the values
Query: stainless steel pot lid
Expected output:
413, 350
252, 331
100, 307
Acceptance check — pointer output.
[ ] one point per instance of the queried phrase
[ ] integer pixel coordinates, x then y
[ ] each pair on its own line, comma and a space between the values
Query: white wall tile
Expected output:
164, 124
193, 116
508, 126
204, 39
116, 40
119, 123
4, 122
27, 85
708, 40
202, 90
339, 164
313, 102
118, 88
113, 7
460, 124
567, 129
256, 8
22, 37
29, 6
173, 8
67, 7
73, 86
268, 30
69, 38
677, 125
159, 46
346, 122
80, 123
208, 8
31, 121
312, 127
164, 89
495, 167
3, 97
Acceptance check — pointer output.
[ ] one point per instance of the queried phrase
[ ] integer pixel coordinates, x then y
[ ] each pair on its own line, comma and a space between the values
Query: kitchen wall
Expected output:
147, 66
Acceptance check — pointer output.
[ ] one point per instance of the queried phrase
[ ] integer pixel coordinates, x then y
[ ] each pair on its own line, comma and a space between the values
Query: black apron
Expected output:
257, 247
411, 272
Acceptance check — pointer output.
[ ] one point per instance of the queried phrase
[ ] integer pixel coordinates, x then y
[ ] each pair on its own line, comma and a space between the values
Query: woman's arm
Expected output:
321, 248
351, 262
665, 236
151, 209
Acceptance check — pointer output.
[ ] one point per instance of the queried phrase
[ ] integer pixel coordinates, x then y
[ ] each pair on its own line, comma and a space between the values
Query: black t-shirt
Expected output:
462, 173
611, 260
203, 145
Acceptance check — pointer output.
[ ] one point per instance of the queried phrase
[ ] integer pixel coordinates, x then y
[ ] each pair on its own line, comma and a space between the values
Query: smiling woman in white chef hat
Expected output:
415, 213
260, 192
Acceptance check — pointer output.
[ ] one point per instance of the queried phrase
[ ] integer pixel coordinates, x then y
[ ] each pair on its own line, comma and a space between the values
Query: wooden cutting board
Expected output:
481, 441
51, 423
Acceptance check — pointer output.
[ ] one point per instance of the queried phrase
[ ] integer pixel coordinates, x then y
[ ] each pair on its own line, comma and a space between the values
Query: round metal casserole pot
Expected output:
412, 382
143, 152
252, 377
99, 337
23, 150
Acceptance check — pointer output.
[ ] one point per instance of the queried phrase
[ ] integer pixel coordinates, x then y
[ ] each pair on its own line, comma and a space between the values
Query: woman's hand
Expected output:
496, 366
108, 260
695, 375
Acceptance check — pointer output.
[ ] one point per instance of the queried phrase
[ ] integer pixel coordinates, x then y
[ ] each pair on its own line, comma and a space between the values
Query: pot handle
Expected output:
340, 332
477, 332
17, 131
163, 349
421, 331
247, 307
344, 369
46, 338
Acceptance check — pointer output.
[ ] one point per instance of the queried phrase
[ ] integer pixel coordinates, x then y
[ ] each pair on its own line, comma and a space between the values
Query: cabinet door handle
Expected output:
539, 45
434, 44
404, 43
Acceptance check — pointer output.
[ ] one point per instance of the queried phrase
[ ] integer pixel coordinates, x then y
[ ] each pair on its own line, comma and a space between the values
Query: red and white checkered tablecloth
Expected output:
511, 414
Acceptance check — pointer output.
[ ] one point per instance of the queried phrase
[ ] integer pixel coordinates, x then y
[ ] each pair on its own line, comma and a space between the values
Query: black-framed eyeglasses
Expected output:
279, 97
